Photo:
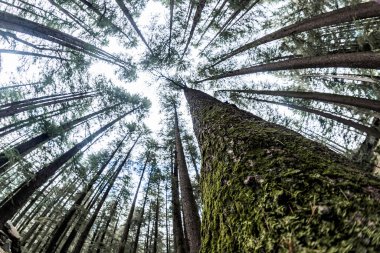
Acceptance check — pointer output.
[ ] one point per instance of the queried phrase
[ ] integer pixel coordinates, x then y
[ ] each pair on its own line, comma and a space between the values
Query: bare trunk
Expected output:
346, 60
190, 209
346, 14
318, 96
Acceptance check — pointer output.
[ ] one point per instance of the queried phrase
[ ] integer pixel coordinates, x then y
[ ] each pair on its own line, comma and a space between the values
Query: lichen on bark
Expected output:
268, 189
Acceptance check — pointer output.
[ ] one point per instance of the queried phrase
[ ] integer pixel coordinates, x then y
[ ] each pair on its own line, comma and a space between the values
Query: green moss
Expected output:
304, 198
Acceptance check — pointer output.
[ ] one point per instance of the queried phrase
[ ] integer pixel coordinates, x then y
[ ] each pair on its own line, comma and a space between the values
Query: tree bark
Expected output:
324, 97
345, 60
346, 14
266, 188
190, 209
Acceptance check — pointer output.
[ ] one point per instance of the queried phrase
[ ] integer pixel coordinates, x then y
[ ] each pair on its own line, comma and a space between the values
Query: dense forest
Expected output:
171, 126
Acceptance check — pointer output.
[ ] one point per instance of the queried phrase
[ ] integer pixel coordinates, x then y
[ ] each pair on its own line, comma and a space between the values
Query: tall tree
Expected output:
190, 209
297, 186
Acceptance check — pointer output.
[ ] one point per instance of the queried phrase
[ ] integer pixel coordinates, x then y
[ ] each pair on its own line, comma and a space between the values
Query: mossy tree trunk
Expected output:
266, 188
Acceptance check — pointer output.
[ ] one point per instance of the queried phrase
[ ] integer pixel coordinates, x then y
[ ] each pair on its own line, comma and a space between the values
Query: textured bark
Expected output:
18, 199
124, 237
373, 131
179, 239
346, 14
318, 96
101, 240
128, 15
190, 209
266, 188
345, 60
62, 226
197, 17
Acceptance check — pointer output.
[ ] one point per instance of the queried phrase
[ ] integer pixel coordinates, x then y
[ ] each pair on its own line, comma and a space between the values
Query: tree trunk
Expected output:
124, 237
101, 243
157, 217
137, 236
59, 231
18, 24
197, 17
179, 240
345, 60
346, 14
25, 53
318, 96
190, 209
11, 205
217, 12
266, 188
128, 15
13, 111
369, 130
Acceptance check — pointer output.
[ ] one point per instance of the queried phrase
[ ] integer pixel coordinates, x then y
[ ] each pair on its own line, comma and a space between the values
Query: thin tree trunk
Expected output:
25, 53
137, 236
102, 236
7, 112
11, 205
265, 184
228, 21
179, 240
190, 209
346, 14
128, 15
345, 60
318, 96
214, 13
197, 17
124, 237
157, 216
146, 246
18, 24
171, 3
369, 130
100, 14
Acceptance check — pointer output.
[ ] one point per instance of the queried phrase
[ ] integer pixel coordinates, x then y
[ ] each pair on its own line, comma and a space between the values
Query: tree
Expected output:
268, 167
